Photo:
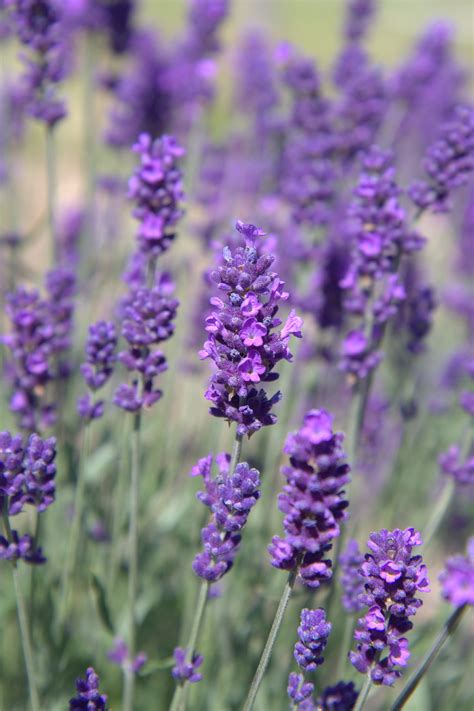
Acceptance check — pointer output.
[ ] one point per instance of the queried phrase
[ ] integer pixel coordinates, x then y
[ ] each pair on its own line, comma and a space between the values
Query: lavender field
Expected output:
237, 353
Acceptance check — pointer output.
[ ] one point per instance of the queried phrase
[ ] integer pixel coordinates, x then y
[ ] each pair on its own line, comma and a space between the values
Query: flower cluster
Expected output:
351, 580
313, 634
39, 26
457, 580
377, 228
448, 162
452, 464
40, 335
98, 368
147, 320
156, 187
27, 477
242, 341
230, 497
392, 578
186, 671
88, 696
312, 500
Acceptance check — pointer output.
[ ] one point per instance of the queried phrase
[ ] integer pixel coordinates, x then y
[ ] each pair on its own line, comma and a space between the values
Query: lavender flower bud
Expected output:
98, 368
186, 672
313, 635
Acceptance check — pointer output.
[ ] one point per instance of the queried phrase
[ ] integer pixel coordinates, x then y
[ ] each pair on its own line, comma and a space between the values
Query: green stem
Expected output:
129, 685
449, 627
23, 622
74, 542
51, 190
345, 645
236, 452
266, 654
439, 511
363, 694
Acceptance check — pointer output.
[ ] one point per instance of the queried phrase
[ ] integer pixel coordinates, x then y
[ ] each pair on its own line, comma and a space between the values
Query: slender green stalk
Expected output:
345, 645
364, 693
449, 627
23, 623
129, 685
439, 510
267, 651
51, 190
70, 563
236, 452
179, 700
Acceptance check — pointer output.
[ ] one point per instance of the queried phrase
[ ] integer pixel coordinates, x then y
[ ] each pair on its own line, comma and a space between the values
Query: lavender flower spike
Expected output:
230, 498
98, 368
457, 580
393, 577
88, 697
313, 634
243, 342
352, 582
312, 500
156, 187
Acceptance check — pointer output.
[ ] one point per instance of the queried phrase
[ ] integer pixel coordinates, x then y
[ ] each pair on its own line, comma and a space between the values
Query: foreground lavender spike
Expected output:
88, 697
312, 500
230, 496
184, 671
457, 583
313, 634
393, 577
242, 338
314, 504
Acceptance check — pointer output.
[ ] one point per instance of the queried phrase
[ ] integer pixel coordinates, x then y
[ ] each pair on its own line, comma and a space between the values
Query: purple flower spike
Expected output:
300, 691
351, 581
156, 187
40, 27
88, 696
98, 368
312, 500
448, 162
230, 499
21, 548
392, 578
457, 580
242, 340
186, 672
313, 635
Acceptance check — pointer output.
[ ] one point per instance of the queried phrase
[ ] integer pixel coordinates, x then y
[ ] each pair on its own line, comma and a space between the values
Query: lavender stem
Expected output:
449, 627
51, 190
129, 684
24, 625
266, 654
439, 510
75, 534
364, 693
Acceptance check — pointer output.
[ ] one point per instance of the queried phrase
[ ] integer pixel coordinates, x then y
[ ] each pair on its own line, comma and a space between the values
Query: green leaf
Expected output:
101, 601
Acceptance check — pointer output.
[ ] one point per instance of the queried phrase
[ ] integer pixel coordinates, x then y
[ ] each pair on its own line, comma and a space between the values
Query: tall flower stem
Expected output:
51, 191
24, 625
345, 645
363, 694
449, 627
236, 452
129, 685
70, 563
266, 654
179, 701
439, 510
